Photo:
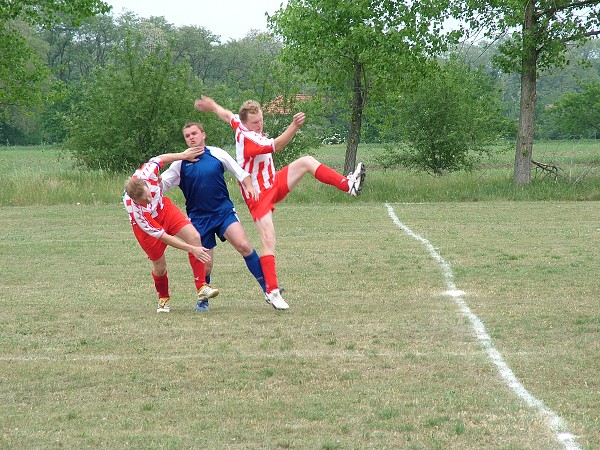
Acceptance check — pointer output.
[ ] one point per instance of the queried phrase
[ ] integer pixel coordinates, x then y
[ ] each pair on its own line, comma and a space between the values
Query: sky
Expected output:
229, 19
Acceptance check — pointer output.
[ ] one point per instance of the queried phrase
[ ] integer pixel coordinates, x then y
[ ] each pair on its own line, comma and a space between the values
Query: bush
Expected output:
446, 120
131, 111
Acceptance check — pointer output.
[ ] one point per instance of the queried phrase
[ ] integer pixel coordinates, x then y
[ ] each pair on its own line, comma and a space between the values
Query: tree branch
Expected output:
554, 9
576, 37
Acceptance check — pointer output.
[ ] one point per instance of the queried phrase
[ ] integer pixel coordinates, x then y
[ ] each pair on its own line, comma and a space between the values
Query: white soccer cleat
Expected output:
275, 299
206, 292
356, 179
163, 305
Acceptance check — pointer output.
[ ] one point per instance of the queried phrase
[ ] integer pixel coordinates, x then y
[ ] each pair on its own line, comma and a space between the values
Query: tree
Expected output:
446, 120
21, 71
540, 33
75, 51
257, 74
135, 108
358, 49
198, 46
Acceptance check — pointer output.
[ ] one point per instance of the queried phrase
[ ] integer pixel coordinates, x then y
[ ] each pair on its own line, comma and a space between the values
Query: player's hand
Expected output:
253, 193
205, 104
201, 254
193, 153
299, 119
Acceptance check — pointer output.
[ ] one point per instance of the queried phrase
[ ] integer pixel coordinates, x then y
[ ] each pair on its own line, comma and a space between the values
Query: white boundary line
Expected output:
554, 421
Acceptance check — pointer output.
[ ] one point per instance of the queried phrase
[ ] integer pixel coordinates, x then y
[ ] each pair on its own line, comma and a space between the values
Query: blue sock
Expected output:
253, 263
208, 278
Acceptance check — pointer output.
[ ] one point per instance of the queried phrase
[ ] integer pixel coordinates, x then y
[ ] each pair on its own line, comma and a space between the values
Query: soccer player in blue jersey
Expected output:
207, 200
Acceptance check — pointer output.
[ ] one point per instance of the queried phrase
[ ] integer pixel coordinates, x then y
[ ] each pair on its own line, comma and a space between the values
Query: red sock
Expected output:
199, 271
327, 175
267, 262
162, 285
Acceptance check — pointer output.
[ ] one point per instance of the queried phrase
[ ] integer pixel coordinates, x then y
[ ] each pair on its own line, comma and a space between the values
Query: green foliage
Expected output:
379, 35
583, 65
75, 51
24, 81
198, 46
134, 109
257, 74
449, 117
21, 70
50, 12
54, 116
540, 32
358, 50
24, 77
555, 24
578, 113
34, 108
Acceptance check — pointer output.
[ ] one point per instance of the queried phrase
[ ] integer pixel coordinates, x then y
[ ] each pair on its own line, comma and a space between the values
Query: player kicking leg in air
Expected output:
254, 153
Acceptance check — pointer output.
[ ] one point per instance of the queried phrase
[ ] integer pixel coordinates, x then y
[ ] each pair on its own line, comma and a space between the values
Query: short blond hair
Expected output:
135, 187
249, 107
192, 124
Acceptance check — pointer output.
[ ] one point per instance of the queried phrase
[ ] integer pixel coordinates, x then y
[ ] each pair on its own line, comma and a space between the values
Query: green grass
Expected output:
46, 175
372, 354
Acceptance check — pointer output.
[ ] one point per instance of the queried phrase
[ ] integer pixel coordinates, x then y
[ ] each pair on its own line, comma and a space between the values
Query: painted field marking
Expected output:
554, 421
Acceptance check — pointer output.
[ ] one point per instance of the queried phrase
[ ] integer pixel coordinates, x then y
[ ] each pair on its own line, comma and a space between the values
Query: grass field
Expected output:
374, 352
46, 175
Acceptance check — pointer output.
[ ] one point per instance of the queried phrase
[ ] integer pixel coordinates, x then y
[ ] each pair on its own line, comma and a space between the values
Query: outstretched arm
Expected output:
191, 154
207, 104
284, 138
199, 252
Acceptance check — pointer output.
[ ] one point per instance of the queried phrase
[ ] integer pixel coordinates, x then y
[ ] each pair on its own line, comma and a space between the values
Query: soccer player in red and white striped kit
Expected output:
254, 152
157, 222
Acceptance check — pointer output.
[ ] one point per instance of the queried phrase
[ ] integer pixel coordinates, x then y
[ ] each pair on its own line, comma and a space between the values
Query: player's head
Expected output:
251, 115
194, 134
138, 190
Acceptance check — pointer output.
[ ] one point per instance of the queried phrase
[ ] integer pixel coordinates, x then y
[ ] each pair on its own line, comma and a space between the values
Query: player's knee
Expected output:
190, 235
195, 239
311, 164
244, 248
159, 269
309, 161
247, 250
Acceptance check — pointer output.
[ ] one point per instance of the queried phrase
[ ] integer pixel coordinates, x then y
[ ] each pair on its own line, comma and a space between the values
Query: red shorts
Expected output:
267, 199
172, 220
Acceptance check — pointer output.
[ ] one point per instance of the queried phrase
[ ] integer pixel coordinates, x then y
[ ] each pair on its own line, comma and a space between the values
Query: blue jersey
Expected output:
203, 182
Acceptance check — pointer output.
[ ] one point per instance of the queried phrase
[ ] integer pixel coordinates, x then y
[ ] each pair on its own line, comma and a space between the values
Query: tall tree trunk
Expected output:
358, 101
524, 145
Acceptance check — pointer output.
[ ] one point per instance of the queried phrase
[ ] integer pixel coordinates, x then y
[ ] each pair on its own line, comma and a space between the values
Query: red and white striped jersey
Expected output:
254, 152
144, 215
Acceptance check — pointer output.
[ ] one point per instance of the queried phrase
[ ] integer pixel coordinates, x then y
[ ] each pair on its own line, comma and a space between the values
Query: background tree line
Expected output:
118, 89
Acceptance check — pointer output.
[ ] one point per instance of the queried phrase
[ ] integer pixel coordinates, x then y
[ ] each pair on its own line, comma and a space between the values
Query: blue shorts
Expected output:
214, 225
